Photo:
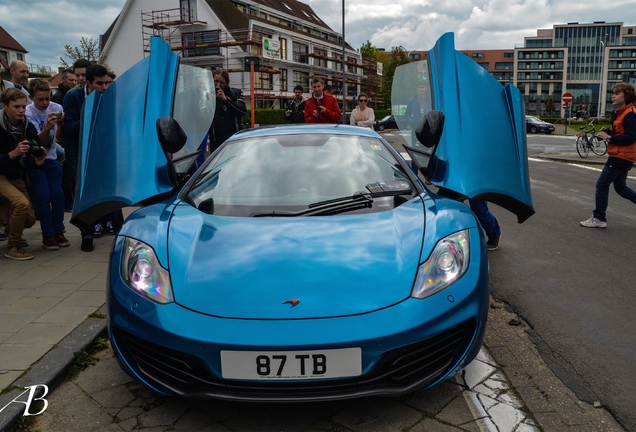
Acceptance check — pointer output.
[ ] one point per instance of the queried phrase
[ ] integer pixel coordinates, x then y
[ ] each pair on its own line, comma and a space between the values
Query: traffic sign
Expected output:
565, 105
567, 97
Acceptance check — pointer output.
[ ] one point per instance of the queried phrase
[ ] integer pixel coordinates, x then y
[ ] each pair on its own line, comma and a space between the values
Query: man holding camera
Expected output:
18, 140
47, 117
230, 109
321, 107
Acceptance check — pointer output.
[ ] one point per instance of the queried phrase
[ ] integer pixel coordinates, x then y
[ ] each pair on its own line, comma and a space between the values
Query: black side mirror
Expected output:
171, 135
430, 129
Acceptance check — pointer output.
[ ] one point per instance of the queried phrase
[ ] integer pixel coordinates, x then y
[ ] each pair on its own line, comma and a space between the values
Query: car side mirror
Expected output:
171, 136
429, 131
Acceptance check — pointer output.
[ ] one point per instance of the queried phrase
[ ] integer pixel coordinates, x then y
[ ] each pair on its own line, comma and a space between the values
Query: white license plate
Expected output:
291, 365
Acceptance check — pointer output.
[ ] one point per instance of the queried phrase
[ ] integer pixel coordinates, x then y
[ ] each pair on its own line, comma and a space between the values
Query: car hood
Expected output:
257, 268
482, 152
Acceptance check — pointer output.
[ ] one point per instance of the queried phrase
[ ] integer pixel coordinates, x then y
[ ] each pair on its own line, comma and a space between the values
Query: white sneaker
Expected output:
593, 223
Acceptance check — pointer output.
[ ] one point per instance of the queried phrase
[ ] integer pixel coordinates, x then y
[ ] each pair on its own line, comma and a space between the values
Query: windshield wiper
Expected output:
333, 206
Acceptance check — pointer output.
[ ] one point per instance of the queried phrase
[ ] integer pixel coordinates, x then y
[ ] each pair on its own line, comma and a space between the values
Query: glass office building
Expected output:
585, 59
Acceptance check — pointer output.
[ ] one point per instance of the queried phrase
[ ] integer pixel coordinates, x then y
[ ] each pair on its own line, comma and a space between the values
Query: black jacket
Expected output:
227, 117
295, 111
58, 96
13, 168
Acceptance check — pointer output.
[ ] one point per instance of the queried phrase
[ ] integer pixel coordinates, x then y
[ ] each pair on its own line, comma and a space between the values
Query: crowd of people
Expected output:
39, 151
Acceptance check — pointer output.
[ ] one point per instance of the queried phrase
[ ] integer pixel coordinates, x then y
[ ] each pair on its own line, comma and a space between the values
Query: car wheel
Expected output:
380, 127
533, 130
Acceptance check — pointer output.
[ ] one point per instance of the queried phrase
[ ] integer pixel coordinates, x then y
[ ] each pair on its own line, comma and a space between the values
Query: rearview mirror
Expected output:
430, 129
170, 134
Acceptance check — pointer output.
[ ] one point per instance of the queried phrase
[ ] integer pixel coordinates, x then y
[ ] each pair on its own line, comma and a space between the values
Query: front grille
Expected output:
399, 371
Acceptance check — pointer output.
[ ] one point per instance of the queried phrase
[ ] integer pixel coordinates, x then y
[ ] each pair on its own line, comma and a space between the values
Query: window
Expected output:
337, 65
504, 66
351, 68
478, 55
283, 49
320, 59
188, 10
201, 38
4, 55
283, 80
301, 78
485, 65
509, 55
263, 80
414, 57
300, 52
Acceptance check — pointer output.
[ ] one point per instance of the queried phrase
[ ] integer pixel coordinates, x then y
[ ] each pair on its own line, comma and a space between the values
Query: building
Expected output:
11, 50
287, 41
586, 60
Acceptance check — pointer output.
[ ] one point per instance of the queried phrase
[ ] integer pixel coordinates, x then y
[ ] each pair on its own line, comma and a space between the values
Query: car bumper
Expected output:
408, 346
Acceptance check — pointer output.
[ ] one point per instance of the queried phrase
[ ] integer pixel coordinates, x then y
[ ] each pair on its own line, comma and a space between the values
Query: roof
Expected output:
7, 41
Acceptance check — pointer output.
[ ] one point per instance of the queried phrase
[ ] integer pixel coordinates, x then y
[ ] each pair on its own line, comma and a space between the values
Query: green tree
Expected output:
549, 106
367, 50
397, 58
88, 49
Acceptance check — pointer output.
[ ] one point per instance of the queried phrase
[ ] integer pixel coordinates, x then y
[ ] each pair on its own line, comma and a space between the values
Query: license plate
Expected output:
291, 365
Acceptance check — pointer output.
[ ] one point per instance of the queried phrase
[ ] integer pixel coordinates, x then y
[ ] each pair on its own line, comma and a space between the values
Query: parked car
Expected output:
299, 262
387, 122
535, 125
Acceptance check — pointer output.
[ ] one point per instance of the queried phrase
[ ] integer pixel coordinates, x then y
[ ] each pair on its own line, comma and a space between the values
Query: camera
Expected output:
35, 149
606, 130
58, 114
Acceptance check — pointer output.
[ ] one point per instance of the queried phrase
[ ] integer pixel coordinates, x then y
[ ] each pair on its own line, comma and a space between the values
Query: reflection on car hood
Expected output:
335, 265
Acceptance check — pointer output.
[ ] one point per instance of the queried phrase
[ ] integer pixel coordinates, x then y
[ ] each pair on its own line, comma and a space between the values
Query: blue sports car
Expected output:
304, 262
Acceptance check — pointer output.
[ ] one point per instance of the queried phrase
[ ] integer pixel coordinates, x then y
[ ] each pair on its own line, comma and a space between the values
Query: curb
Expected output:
50, 370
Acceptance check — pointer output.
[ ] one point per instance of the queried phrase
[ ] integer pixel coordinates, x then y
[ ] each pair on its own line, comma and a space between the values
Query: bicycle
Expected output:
585, 143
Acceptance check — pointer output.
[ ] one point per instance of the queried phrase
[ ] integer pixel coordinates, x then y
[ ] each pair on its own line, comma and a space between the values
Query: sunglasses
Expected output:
362, 100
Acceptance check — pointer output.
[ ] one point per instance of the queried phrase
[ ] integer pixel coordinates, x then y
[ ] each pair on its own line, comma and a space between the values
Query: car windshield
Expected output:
533, 119
387, 118
289, 173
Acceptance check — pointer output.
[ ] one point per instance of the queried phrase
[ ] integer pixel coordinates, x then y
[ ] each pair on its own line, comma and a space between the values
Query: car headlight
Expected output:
142, 272
446, 265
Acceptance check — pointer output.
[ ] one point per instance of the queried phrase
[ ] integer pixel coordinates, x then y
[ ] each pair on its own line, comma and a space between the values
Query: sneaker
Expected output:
109, 228
3, 235
49, 243
61, 240
18, 254
493, 243
593, 223
98, 231
23, 242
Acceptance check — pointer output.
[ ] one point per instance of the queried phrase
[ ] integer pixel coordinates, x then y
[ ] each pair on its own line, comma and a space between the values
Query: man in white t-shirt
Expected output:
47, 117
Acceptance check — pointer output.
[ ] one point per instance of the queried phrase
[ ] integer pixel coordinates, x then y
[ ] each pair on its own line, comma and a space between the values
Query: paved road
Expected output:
574, 285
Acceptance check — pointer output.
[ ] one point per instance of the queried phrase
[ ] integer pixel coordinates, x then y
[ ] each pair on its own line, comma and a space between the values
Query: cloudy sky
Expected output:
44, 27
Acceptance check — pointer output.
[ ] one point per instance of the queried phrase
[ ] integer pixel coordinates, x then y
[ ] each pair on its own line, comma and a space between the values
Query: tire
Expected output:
581, 147
599, 146
533, 129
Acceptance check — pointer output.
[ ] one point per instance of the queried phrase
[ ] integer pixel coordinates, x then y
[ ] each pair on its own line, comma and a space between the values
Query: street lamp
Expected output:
600, 85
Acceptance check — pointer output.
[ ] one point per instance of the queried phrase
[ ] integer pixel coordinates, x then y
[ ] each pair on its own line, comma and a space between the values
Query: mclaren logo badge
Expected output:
292, 302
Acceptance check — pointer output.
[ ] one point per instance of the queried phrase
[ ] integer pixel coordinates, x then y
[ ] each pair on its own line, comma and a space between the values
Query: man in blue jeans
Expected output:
488, 222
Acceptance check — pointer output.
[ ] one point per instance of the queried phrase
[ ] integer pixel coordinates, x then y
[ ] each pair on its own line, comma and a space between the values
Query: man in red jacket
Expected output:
321, 107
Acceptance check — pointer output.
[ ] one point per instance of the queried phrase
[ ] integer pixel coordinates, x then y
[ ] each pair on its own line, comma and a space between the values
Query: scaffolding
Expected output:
199, 45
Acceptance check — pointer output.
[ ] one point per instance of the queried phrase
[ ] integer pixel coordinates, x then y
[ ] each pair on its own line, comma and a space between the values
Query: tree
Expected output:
549, 105
88, 50
368, 51
397, 58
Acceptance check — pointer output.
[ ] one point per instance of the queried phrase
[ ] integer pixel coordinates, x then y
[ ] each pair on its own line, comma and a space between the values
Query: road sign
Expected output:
565, 105
567, 97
